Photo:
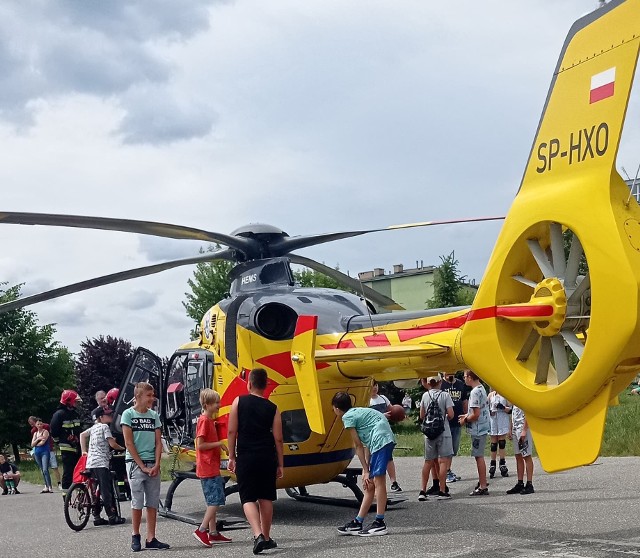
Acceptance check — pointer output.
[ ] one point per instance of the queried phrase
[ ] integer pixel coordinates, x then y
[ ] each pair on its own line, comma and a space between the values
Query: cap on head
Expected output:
101, 411
433, 380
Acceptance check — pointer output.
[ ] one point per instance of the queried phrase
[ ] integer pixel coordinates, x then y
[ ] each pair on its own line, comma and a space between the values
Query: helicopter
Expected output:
559, 343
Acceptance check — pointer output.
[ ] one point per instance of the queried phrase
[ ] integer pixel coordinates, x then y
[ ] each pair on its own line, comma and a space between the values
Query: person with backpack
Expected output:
436, 409
477, 422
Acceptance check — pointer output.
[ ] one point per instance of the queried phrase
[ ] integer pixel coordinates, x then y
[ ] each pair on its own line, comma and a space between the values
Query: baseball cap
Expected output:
101, 411
434, 379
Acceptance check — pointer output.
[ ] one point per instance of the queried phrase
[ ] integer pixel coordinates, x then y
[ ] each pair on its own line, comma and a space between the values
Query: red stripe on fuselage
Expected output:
533, 311
377, 340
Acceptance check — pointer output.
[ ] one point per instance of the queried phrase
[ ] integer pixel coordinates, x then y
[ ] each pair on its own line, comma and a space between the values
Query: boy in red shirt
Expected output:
208, 468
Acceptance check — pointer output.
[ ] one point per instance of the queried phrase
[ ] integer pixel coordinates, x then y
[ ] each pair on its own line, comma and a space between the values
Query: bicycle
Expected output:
83, 498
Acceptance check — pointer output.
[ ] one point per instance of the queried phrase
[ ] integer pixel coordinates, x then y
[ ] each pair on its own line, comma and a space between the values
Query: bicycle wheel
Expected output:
77, 506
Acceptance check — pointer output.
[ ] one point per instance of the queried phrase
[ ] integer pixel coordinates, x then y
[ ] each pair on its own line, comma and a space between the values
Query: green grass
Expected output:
621, 438
621, 433
29, 471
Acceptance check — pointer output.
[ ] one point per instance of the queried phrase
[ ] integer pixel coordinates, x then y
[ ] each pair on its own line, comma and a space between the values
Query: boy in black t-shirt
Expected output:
459, 393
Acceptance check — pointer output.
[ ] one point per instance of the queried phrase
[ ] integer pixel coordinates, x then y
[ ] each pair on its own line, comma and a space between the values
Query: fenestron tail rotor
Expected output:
558, 336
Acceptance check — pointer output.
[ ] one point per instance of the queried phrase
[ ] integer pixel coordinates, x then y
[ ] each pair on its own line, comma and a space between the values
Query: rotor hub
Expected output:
550, 292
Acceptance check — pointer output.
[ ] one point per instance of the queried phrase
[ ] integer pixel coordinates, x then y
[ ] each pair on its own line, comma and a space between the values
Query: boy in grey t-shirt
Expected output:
439, 451
478, 424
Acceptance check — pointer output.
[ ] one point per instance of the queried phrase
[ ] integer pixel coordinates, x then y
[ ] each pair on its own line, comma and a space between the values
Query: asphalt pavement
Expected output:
591, 512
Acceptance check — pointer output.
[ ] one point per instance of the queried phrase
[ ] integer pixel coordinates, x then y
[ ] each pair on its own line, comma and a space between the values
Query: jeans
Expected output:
42, 459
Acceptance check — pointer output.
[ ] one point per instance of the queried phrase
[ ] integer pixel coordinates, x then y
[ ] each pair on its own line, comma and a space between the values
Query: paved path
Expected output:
592, 512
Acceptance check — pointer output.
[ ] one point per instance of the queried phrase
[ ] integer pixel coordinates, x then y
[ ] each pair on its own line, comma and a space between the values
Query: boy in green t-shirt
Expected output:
369, 428
141, 429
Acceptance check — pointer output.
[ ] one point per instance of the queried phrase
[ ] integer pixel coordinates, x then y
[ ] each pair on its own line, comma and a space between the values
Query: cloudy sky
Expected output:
313, 116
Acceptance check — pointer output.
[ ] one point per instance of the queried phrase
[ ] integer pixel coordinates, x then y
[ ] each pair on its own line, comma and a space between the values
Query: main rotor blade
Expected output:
289, 244
113, 278
125, 225
354, 284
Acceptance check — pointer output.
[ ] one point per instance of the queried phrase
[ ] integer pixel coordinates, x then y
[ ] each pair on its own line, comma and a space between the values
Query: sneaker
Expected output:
155, 544
351, 528
422, 497
395, 487
479, 492
451, 477
270, 544
519, 487
444, 496
528, 489
258, 544
377, 528
116, 520
16, 491
135, 543
98, 522
5, 492
433, 489
203, 537
219, 538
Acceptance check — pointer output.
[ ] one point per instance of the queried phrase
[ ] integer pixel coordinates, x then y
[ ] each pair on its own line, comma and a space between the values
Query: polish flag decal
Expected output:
602, 85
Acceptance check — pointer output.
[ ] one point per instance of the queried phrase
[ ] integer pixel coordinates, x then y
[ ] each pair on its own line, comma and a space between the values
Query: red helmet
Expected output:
112, 395
70, 398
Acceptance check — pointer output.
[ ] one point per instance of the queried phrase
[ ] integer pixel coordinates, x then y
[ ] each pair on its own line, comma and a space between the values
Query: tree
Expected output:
209, 285
312, 278
101, 365
34, 369
448, 285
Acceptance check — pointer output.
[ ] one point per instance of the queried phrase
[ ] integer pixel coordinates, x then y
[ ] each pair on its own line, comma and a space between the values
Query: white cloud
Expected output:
313, 116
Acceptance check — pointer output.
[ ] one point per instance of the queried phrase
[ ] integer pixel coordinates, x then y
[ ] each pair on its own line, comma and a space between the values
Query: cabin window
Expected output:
295, 426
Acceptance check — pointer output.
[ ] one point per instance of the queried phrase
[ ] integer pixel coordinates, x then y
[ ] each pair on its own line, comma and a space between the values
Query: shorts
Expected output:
456, 431
442, 446
379, 460
500, 424
256, 474
213, 490
522, 447
478, 444
53, 461
145, 490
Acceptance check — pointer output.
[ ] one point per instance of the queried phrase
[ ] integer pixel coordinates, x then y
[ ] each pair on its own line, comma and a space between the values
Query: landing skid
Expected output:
348, 479
222, 524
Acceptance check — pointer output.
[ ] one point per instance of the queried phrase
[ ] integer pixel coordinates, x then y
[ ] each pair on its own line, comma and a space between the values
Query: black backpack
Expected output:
433, 423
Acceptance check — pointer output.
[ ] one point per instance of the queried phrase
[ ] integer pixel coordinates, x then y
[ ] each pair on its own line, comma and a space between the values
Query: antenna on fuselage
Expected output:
366, 304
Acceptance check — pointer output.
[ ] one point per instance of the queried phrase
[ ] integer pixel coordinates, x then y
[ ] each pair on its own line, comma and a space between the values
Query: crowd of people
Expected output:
255, 449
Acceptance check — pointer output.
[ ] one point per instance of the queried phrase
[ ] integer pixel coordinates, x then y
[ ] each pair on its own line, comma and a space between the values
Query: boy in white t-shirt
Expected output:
101, 441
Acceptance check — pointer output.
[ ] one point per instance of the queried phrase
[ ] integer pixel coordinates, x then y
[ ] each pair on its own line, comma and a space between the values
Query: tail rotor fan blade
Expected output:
560, 359
541, 258
573, 264
528, 346
557, 250
544, 360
